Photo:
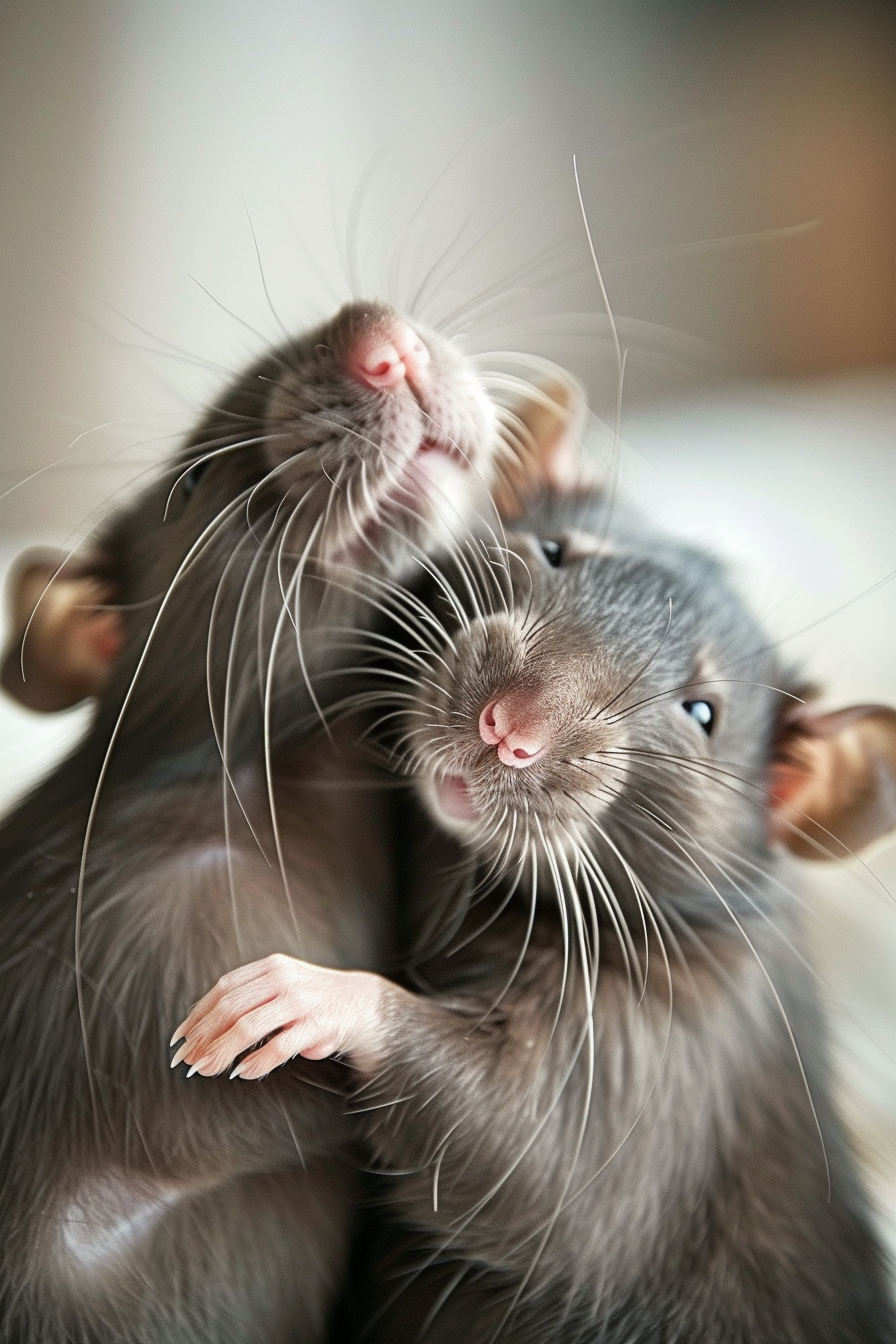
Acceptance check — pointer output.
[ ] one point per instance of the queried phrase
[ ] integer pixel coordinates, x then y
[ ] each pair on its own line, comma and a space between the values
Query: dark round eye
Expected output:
193, 477
703, 712
553, 553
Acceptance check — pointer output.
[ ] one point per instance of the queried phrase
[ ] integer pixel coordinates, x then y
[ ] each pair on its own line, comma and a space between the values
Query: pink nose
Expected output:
383, 361
515, 730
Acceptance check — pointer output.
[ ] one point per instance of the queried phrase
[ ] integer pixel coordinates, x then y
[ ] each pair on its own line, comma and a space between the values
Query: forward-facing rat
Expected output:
604, 1092
198, 826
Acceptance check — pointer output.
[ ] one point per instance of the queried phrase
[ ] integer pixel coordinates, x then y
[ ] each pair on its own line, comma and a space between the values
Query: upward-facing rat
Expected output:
605, 1088
197, 826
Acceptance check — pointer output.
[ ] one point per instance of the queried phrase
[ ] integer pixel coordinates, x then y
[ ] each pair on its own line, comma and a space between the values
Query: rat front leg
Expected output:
304, 1009
442, 1049
495, 1103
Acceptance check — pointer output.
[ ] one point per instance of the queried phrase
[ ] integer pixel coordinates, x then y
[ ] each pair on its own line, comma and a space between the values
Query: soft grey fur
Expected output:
606, 1100
194, 828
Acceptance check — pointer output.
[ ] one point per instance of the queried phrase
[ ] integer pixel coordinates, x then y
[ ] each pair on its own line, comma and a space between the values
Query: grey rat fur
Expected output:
604, 1092
652, 1154
135, 1205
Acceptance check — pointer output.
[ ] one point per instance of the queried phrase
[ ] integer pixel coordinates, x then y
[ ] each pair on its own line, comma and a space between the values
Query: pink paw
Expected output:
313, 1011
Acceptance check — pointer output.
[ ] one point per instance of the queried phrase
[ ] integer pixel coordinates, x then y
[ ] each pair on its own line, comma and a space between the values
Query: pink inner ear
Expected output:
557, 446
785, 779
550, 456
103, 635
832, 788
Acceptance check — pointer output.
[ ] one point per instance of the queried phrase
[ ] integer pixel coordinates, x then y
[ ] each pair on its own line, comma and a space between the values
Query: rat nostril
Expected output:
379, 366
408, 342
385, 359
492, 723
517, 730
412, 351
520, 749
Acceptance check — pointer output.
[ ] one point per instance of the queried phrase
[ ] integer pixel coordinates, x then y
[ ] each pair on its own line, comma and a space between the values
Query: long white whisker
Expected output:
184, 566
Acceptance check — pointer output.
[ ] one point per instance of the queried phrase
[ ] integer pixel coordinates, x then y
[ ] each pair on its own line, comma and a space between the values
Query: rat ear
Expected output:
833, 780
60, 637
544, 432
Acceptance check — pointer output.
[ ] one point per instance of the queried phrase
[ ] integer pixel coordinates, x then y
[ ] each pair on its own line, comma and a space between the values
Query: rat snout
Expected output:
383, 358
518, 727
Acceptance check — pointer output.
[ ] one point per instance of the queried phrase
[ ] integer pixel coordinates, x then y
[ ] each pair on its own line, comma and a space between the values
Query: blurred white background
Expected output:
741, 189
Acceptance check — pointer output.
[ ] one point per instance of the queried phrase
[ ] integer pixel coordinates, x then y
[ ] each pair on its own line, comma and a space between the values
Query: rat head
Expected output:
381, 428
319, 472
599, 698
349, 447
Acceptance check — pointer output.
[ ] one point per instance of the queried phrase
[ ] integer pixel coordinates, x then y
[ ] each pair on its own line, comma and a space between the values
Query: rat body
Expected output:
603, 1089
201, 823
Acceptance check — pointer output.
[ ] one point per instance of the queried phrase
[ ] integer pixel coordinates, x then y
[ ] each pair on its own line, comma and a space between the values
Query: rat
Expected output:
203, 822
602, 1090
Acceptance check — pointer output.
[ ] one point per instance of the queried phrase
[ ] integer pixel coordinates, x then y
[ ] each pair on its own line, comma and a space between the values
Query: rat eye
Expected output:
192, 478
703, 712
553, 553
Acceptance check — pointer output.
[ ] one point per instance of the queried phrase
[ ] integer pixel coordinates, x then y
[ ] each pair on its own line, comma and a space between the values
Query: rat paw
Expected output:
278, 1008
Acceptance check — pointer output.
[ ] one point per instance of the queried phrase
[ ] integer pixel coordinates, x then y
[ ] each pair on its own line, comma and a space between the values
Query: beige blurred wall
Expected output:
142, 144
809, 95
738, 175
53, 67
